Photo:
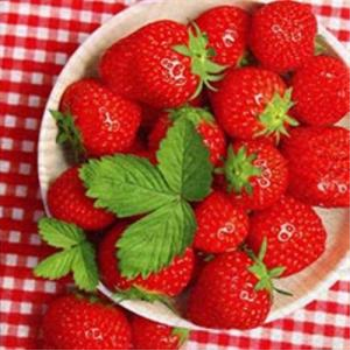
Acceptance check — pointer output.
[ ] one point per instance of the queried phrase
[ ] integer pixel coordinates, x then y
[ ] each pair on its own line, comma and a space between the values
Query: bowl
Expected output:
305, 286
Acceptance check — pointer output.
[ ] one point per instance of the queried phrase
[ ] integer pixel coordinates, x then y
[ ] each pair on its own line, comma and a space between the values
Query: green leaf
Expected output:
182, 333
152, 243
56, 265
126, 185
184, 161
84, 267
59, 234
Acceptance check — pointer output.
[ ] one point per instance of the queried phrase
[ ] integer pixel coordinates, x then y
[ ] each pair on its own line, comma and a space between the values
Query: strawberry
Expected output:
156, 336
321, 91
295, 235
75, 322
169, 281
213, 136
115, 67
233, 291
318, 160
102, 122
67, 201
252, 102
256, 174
227, 29
283, 35
172, 64
221, 226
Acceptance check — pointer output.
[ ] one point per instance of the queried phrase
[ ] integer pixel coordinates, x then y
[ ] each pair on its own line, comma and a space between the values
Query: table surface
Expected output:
36, 39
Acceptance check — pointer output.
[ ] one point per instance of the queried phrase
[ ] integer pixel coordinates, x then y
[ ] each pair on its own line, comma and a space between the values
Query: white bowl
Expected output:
305, 286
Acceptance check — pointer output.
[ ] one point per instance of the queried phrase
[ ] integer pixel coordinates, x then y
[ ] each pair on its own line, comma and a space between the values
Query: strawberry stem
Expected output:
275, 118
239, 168
201, 59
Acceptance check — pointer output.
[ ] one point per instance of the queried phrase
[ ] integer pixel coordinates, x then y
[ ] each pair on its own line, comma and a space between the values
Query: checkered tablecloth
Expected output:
36, 39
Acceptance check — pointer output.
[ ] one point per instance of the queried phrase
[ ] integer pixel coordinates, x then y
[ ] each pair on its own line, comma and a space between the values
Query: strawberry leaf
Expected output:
57, 265
184, 161
152, 243
60, 234
126, 185
77, 256
84, 267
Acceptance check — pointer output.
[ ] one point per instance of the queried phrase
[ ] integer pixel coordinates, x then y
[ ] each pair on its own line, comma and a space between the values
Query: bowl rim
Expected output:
299, 303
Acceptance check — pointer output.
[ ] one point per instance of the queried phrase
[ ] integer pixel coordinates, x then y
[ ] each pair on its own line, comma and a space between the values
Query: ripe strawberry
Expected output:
321, 91
256, 174
115, 67
283, 35
170, 281
156, 336
295, 235
318, 160
105, 123
213, 136
221, 226
232, 292
67, 201
253, 102
75, 322
172, 64
227, 29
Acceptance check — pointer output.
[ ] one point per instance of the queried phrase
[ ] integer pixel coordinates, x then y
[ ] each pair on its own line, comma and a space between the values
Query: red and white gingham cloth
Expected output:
36, 39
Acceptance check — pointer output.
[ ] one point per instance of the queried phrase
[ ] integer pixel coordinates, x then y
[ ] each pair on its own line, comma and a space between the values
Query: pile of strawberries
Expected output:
263, 102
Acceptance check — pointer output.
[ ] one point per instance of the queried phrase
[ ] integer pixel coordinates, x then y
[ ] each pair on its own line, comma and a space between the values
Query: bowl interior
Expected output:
306, 285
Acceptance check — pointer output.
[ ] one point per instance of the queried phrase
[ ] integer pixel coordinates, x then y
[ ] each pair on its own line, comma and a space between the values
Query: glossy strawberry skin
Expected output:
73, 322
318, 161
153, 335
283, 34
164, 77
271, 184
169, 281
224, 296
115, 67
212, 135
221, 226
241, 97
227, 29
321, 91
295, 235
67, 201
107, 122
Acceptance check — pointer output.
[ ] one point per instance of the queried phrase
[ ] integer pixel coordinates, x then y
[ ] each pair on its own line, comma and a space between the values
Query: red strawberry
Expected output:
156, 336
169, 281
318, 160
227, 29
213, 136
252, 102
172, 64
295, 235
283, 35
67, 201
105, 123
115, 67
256, 174
232, 292
75, 322
221, 226
321, 91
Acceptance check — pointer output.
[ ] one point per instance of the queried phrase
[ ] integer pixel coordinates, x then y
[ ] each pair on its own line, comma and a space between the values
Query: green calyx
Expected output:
138, 293
275, 118
239, 168
262, 273
69, 134
182, 333
193, 114
201, 55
